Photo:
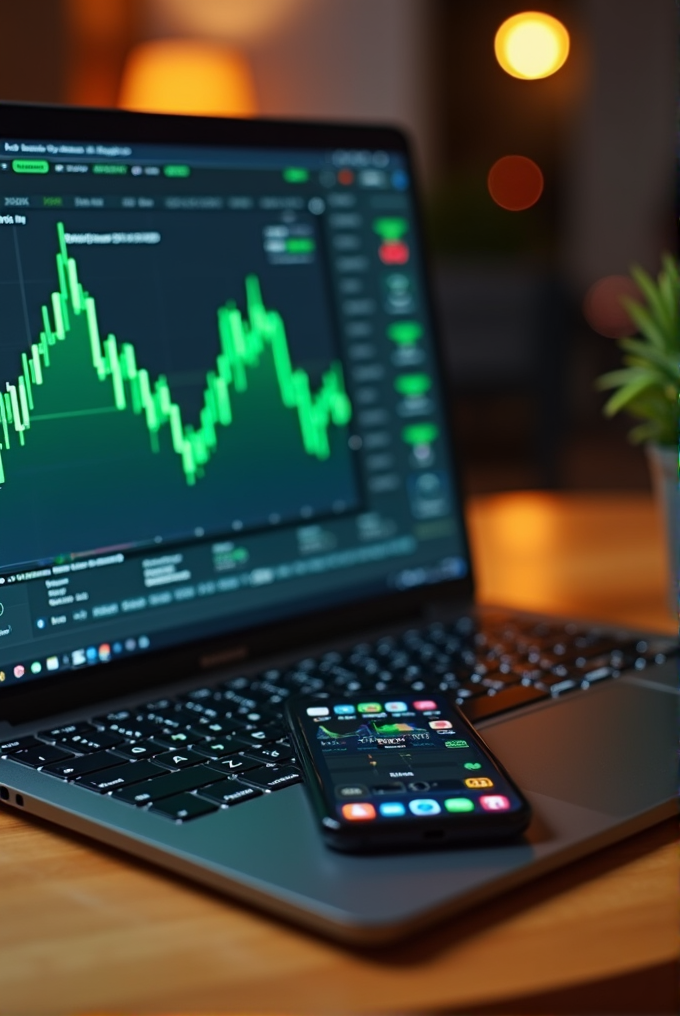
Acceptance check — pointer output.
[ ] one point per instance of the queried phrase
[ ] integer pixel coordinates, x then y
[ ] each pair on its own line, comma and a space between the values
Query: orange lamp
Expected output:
531, 45
187, 76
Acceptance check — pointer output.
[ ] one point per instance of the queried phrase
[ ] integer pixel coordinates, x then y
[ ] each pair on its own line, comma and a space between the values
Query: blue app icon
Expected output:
392, 809
396, 707
343, 710
424, 806
91, 653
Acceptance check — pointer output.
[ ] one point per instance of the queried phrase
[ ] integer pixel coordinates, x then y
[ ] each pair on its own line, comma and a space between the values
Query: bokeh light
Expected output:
603, 306
187, 76
531, 45
515, 182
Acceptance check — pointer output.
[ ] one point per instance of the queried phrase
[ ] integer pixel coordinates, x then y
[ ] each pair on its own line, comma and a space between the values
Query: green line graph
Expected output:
244, 339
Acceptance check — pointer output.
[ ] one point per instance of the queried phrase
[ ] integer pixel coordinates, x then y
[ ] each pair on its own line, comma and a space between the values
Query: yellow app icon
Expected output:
477, 782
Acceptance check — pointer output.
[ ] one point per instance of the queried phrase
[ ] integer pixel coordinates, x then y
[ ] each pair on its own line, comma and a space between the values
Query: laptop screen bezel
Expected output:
105, 681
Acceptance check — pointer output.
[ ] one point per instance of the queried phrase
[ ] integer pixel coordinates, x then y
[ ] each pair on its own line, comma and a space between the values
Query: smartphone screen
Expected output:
408, 768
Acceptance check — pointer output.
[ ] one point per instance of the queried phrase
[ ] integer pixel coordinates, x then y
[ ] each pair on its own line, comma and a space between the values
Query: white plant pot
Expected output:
663, 466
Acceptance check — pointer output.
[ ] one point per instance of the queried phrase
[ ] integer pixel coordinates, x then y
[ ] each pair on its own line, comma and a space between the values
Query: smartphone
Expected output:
402, 771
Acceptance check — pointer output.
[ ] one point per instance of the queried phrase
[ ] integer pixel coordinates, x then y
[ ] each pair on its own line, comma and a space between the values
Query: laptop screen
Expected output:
219, 404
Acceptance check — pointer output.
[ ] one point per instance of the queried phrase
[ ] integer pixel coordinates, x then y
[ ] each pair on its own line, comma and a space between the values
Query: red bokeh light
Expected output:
515, 182
603, 307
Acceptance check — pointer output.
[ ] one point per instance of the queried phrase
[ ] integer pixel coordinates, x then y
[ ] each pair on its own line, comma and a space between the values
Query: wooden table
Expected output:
85, 930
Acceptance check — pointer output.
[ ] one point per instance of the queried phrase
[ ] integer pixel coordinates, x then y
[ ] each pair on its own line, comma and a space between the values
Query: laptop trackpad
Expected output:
611, 749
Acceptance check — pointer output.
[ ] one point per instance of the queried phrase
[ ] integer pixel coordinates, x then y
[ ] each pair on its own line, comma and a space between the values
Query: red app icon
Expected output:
425, 705
494, 802
358, 812
440, 724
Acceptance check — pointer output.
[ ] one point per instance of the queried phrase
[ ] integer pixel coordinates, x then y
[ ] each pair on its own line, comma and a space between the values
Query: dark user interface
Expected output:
218, 397
403, 759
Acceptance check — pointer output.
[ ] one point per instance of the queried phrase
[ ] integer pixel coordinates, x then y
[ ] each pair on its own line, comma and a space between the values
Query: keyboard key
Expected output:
166, 785
179, 759
512, 698
133, 730
41, 756
183, 807
139, 749
275, 778
174, 739
12, 745
269, 753
264, 734
601, 674
72, 768
121, 776
229, 792
562, 687
93, 740
230, 745
218, 749
234, 764
65, 733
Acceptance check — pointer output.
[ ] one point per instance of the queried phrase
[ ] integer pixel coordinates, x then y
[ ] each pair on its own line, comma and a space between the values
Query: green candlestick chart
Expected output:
244, 340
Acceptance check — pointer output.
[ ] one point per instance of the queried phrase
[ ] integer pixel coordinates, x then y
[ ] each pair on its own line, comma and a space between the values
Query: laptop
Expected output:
226, 478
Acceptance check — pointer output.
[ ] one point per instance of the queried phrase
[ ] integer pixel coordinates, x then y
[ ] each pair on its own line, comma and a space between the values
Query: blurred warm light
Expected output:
531, 45
239, 21
603, 306
515, 182
187, 76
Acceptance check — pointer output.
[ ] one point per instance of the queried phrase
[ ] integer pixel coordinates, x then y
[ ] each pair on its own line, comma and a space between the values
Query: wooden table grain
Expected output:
84, 929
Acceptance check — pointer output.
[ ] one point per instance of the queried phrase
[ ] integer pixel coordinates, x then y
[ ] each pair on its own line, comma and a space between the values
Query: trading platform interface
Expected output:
218, 399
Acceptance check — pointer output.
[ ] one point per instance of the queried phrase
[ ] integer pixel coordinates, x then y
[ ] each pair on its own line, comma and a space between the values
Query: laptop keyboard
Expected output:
227, 743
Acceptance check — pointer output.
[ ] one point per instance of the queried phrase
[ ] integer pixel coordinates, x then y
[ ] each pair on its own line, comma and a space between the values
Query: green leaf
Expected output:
628, 392
616, 377
650, 291
645, 323
649, 354
671, 268
644, 432
669, 292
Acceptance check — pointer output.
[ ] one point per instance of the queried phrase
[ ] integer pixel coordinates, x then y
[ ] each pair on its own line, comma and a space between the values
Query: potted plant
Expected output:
648, 387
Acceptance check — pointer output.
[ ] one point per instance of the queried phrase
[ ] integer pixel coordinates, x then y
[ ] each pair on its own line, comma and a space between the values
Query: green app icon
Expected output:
473, 765
456, 744
459, 804
369, 707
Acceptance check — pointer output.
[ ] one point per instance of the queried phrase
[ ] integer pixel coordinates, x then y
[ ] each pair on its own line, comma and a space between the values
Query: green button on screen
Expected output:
30, 166
459, 804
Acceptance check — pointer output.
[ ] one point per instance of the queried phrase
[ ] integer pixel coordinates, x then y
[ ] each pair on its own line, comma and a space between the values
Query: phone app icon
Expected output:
494, 802
344, 710
369, 707
478, 782
318, 711
440, 724
392, 809
358, 812
472, 765
458, 804
396, 707
424, 806
351, 790
425, 705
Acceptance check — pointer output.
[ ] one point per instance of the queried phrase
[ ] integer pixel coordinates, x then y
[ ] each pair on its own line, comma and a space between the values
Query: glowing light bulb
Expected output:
531, 45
